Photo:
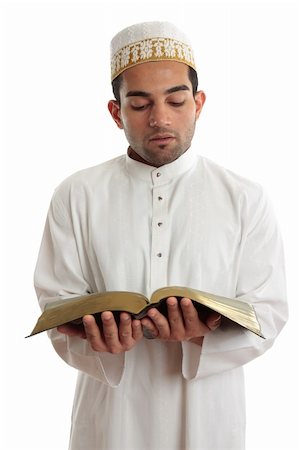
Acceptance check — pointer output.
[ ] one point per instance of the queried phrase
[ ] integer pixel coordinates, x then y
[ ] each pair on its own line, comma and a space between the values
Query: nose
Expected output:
159, 117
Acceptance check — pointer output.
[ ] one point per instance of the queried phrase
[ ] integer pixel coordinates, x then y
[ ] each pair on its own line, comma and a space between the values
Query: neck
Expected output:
132, 154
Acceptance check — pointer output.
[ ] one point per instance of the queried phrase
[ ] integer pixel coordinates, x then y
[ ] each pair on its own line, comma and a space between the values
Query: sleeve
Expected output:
59, 273
260, 280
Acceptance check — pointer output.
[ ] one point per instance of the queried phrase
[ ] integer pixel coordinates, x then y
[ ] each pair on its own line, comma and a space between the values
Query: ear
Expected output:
114, 109
200, 98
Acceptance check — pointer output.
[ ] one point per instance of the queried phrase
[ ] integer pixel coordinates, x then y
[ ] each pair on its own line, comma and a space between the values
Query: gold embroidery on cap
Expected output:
153, 49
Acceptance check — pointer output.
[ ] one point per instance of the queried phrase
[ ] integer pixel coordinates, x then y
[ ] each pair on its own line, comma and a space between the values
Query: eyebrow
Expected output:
181, 87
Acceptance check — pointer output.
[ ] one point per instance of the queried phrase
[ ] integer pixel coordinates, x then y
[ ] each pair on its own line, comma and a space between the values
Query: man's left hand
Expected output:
183, 323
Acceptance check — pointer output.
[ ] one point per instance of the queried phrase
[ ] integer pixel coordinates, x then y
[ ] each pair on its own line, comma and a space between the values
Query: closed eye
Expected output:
177, 104
139, 108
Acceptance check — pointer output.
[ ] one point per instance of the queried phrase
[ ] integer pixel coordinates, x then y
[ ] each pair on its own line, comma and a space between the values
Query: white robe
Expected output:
217, 233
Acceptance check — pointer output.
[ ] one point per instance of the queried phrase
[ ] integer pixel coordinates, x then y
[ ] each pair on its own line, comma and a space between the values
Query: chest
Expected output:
177, 233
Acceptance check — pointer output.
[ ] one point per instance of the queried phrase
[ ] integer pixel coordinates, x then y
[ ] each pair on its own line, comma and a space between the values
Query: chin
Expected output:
164, 161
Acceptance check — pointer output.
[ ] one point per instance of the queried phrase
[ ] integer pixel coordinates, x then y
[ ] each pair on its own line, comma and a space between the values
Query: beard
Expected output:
159, 154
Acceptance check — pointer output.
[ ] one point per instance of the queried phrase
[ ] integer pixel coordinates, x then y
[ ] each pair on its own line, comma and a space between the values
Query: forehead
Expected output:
155, 76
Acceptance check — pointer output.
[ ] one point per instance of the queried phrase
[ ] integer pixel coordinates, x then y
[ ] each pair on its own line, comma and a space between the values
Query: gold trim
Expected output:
154, 49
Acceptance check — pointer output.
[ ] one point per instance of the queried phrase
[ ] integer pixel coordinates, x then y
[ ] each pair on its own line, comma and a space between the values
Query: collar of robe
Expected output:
164, 173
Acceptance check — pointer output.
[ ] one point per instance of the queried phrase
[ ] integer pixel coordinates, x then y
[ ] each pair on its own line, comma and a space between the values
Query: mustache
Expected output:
161, 133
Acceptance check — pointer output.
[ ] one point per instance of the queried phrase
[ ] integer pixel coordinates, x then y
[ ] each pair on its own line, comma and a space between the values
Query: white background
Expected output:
56, 90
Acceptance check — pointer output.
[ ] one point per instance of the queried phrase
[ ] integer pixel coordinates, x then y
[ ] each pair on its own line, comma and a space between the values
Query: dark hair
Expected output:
192, 74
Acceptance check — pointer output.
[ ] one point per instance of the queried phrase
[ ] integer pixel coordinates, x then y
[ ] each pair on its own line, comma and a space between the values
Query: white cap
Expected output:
149, 41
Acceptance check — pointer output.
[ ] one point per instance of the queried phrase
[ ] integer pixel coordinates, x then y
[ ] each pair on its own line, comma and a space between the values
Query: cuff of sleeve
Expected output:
105, 367
112, 367
191, 357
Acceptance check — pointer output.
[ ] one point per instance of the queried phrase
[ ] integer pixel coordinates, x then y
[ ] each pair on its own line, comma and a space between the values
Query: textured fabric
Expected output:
149, 41
218, 235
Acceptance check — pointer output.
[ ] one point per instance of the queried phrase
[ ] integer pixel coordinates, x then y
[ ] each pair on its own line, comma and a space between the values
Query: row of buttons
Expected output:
158, 174
159, 242
159, 255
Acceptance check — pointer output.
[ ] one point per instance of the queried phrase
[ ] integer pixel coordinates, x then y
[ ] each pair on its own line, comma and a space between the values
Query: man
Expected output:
160, 216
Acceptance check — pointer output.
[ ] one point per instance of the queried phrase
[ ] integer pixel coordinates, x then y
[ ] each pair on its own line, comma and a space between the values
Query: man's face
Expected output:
157, 110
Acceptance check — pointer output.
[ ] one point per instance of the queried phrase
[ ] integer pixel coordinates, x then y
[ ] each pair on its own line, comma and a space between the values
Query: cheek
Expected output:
134, 126
189, 120
133, 132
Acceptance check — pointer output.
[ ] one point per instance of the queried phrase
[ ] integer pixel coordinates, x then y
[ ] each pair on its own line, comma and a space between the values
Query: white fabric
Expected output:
218, 234
146, 30
149, 41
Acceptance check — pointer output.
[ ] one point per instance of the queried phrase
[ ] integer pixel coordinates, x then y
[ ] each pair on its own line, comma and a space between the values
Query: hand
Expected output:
183, 322
111, 338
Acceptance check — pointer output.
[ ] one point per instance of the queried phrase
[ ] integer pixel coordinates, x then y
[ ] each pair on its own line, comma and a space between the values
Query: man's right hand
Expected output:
112, 338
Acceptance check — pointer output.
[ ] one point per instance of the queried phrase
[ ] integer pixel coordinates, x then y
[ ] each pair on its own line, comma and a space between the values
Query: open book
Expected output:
70, 309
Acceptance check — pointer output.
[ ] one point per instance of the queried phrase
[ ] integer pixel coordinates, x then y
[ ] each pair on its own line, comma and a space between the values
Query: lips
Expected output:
161, 138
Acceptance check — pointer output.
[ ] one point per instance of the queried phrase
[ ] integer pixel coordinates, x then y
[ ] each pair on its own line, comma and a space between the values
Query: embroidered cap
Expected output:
149, 41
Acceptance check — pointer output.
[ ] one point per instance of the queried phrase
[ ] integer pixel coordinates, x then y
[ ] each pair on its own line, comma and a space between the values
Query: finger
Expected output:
193, 324
149, 329
110, 332
214, 321
189, 313
137, 330
125, 328
175, 319
128, 334
160, 322
129, 331
93, 334
72, 330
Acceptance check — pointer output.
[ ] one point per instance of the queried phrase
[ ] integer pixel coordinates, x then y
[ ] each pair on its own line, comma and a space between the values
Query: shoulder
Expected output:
78, 190
92, 177
225, 180
227, 190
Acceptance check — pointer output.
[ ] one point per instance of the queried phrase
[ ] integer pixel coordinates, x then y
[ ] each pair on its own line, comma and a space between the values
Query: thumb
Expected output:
214, 321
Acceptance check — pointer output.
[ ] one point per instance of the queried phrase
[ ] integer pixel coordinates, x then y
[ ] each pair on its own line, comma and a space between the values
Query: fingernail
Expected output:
126, 317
